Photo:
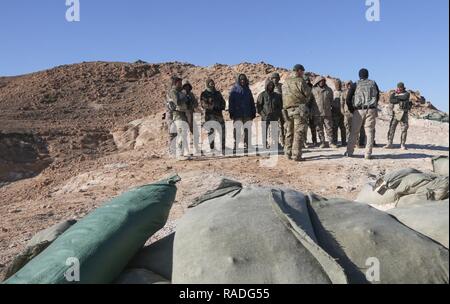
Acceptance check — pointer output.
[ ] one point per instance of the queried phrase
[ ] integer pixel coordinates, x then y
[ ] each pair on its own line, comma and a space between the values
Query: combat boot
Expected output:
389, 146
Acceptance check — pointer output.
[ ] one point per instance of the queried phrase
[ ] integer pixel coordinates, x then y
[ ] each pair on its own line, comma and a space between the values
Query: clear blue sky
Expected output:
409, 44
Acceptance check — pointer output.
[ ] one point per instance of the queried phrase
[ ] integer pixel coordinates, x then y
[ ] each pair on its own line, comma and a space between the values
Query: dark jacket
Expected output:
269, 105
241, 102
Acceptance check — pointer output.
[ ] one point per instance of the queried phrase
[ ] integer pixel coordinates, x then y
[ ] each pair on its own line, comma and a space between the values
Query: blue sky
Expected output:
410, 43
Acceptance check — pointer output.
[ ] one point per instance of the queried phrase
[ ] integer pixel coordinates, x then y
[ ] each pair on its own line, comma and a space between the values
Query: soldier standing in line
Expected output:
338, 116
321, 110
296, 95
213, 104
400, 100
362, 101
275, 77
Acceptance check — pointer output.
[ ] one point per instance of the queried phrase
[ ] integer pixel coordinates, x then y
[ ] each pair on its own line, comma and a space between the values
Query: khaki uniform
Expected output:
401, 106
321, 112
348, 116
279, 90
364, 99
338, 119
296, 94
178, 100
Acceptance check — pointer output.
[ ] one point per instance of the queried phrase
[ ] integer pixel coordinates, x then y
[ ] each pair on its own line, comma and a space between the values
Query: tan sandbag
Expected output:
440, 165
140, 277
253, 236
369, 195
156, 257
356, 234
430, 218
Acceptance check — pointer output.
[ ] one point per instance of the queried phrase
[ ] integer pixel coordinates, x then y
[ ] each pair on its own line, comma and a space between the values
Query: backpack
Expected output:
365, 94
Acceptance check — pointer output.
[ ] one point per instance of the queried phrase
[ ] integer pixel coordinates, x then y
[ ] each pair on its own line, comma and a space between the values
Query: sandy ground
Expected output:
75, 189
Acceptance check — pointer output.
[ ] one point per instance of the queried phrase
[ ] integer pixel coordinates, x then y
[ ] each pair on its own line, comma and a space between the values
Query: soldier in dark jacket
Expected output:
214, 104
269, 106
242, 109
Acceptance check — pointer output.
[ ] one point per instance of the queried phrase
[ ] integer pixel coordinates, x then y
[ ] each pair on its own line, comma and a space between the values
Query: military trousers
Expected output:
295, 126
322, 123
339, 125
368, 118
404, 125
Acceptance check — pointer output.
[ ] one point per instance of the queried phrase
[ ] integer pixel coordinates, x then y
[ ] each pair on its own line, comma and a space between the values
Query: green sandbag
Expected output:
253, 236
440, 165
105, 240
156, 257
354, 233
428, 218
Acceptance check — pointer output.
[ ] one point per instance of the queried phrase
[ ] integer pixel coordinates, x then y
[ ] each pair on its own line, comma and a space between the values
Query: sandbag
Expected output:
157, 257
105, 240
353, 233
140, 277
428, 218
369, 195
440, 165
51, 234
253, 236
407, 182
36, 245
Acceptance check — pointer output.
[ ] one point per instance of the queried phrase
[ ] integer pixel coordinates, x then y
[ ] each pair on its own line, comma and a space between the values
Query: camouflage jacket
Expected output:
179, 102
296, 92
214, 104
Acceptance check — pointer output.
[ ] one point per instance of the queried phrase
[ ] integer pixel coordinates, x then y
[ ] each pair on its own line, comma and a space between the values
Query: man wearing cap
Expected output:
214, 104
362, 101
401, 107
296, 95
275, 77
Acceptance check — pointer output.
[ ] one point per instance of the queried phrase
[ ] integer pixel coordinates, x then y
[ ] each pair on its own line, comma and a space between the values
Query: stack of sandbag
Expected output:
406, 187
271, 235
102, 243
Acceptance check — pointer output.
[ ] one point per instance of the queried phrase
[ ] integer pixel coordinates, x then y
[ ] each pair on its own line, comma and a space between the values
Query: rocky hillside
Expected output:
73, 110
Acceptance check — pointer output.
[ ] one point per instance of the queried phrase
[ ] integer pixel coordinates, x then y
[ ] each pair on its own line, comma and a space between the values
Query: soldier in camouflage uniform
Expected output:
338, 116
401, 107
275, 77
214, 104
362, 101
178, 101
345, 111
296, 94
269, 105
192, 103
321, 110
